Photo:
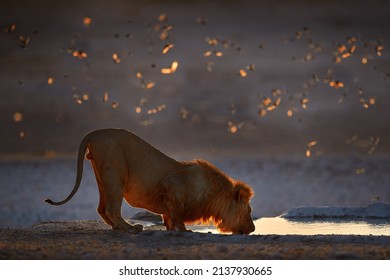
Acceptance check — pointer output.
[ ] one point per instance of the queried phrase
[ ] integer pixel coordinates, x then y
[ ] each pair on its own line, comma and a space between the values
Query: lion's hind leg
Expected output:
111, 204
103, 205
102, 194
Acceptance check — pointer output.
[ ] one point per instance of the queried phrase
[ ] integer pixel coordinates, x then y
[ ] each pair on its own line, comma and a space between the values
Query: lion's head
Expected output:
237, 215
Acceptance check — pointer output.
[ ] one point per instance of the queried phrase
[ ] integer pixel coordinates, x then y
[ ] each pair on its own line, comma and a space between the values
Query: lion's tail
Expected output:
80, 163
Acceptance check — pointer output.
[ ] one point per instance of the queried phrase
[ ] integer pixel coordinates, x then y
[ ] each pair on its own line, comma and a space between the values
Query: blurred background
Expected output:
290, 96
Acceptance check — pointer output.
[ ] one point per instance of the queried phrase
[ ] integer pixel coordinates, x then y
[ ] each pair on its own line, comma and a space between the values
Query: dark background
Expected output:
289, 46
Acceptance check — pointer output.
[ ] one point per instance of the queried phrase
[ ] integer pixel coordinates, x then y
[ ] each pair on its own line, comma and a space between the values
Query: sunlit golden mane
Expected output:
221, 199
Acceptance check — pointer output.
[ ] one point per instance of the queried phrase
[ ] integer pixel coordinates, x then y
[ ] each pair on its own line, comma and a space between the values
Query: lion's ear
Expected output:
243, 192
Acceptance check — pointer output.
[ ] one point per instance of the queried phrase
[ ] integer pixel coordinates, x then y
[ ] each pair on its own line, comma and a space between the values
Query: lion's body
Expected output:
126, 166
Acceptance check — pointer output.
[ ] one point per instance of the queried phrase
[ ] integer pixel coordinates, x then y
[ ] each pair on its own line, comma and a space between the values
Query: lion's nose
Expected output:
247, 230
252, 228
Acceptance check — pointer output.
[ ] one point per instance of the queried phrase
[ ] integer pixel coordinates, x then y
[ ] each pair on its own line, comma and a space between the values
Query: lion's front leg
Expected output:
168, 222
173, 224
174, 202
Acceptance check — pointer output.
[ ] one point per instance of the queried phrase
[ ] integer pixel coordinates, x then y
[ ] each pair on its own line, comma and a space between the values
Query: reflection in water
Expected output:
283, 226
311, 227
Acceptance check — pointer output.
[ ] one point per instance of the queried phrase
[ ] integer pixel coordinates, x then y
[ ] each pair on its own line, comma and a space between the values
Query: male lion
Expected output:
127, 167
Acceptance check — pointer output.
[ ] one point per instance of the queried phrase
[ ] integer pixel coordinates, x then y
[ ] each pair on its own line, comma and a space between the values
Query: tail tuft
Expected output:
49, 201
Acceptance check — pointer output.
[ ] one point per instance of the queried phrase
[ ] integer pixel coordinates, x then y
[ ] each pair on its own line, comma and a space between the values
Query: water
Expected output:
310, 227
281, 226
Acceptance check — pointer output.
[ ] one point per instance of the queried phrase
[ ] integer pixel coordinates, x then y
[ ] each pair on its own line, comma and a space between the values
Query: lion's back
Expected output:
121, 141
127, 153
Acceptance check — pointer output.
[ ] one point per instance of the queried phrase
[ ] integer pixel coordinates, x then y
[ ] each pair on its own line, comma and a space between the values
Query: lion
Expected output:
128, 167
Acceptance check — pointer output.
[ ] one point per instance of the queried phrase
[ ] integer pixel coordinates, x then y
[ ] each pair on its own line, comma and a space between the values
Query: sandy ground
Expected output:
94, 240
